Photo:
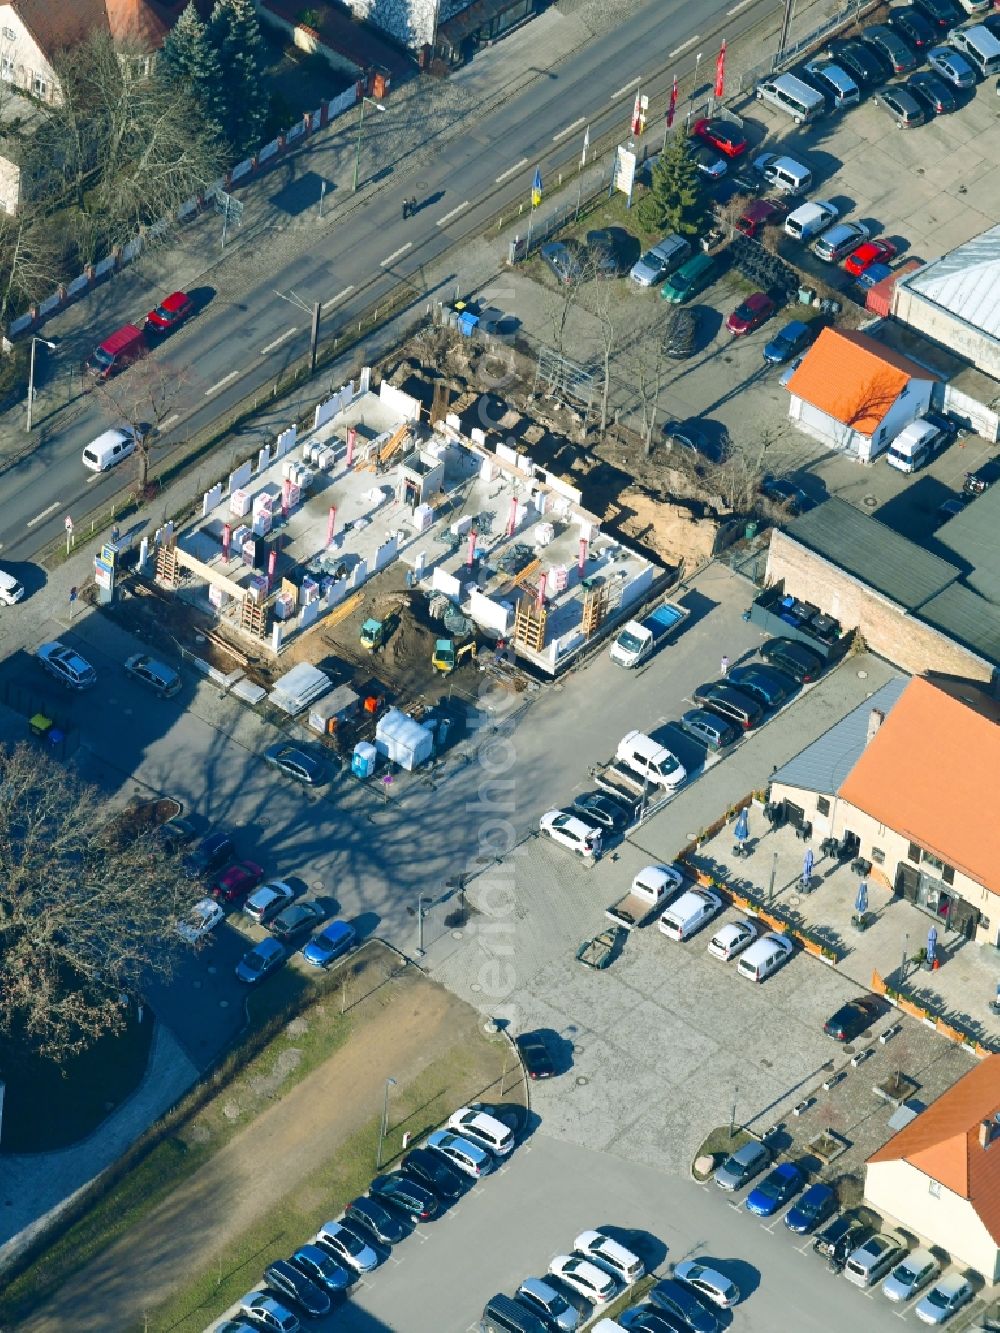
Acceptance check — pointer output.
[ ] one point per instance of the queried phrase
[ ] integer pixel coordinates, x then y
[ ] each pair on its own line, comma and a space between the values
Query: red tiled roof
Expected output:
853, 379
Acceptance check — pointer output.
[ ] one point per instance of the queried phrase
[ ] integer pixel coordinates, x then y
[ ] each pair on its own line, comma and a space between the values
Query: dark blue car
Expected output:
814, 1207
684, 1308
793, 338
331, 943
774, 1191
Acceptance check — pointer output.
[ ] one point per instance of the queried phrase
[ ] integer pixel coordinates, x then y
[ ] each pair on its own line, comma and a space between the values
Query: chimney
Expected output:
875, 719
985, 1133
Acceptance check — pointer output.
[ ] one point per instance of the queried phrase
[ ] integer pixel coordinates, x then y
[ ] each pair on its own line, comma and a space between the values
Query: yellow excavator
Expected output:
446, 656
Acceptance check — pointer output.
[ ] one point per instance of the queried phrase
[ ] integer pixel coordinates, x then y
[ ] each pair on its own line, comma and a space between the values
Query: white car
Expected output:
268, 901
944, 1298
606, 1253
66, 665
485, 1131
349, 1248
584, 1277
10, 590
692, 910
731, 939
267, 1313
708, 1282
571, 831
201, 921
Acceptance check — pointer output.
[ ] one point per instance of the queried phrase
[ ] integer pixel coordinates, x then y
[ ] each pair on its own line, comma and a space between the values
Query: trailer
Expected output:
600, 952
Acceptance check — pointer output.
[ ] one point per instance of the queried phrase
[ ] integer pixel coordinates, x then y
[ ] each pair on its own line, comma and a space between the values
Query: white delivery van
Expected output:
650, 760
793, 96
810, 220
979, 47
109, 449
915, 446
765, 957
689, 913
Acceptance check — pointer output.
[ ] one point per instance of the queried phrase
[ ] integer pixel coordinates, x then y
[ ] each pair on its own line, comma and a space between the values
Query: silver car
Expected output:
910, 1274
840, 241
157, 675
742, 1165
66, 665
944, 1298
951, 66
544, 1301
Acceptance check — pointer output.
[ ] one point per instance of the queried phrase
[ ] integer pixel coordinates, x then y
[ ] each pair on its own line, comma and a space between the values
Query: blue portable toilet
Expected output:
363, 759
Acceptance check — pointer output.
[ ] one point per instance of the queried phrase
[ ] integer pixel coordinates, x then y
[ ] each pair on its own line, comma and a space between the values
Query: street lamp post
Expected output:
361, 124
420, 925
384, 1126
35, 338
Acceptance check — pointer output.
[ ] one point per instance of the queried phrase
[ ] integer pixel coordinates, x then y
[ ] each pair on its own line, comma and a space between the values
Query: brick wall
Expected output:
887, 628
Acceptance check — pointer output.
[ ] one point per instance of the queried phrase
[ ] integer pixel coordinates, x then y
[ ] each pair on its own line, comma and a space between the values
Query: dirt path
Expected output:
273, 1156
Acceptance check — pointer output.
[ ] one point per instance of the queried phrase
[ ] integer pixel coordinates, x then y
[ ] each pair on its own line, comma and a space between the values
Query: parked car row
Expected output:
430, 1177
130, 342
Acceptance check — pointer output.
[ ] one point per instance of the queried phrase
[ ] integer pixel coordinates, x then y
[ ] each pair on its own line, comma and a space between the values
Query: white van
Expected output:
650, 760
109, 449
979, 47
796, 97
609, 1255
11, 591
915, 446
783, 173
765, 957
810, 219
689, 913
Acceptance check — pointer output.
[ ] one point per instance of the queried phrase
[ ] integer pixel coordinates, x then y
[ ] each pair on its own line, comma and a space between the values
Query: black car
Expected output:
290, 1282
564, 259
648, 1319
932, 92
781, 491
840, 1238
175, 834
795, 659
851, 1019
860, 61
296, 919
368, 1219
767, 685
407, 1195
432, 1171
890, 48
597, 807
729, 702
684, 1306
535, 1055
213, 852
297, 764
912, 25
940, 14
603, 252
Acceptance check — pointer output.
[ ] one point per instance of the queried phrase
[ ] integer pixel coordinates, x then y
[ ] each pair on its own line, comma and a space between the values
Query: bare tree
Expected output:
87, 906
142, 399
729, 213
608, 307
29, 261
741, 468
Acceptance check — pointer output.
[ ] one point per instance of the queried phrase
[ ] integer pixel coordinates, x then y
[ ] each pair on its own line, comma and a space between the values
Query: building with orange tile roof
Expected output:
909, 777
939, 1176
856, 395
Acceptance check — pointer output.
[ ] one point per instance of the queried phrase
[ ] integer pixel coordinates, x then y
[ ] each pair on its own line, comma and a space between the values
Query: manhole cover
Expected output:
475, 987
862, 675
223, 1004
582, 1080
869, 501
318, 885
457, 934
767, 1064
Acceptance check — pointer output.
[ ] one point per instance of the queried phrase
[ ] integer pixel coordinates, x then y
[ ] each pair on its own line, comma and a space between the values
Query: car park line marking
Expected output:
396, 253
683, 46
454, 212
736, 8
174, 416
233, 374
278, 341
561, 134
46, 512
632, 82
339, 297
510, 170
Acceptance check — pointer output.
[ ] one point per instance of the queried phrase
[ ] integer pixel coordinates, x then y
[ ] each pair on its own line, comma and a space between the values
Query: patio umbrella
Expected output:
861, 901
742, 830
931, 943
807, 867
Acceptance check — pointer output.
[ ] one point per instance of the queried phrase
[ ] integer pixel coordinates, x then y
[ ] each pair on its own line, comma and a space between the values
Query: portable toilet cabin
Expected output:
363, 759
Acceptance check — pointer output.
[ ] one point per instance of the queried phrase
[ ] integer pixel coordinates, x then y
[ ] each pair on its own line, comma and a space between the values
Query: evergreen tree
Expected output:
676, 198
234, 32
188, 58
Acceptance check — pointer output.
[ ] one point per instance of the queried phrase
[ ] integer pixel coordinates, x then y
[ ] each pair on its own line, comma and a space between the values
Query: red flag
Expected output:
637, 116
673, 104
720, 70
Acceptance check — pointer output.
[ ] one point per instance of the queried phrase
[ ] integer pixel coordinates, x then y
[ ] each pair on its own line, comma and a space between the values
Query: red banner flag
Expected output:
720, 70
671, 109
637, 116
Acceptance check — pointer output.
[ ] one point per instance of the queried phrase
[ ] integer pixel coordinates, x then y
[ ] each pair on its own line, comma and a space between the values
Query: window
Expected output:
932, 861
913, 852
822, 805
7, 68
878, 856
39, 86
9, 35
948, 874
934, 1189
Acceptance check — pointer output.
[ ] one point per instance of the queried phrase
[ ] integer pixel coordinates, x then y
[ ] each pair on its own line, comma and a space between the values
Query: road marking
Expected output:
278, 341
339, 297
569, 129
737, 7
45, 512
448, 216
627, 86
174, 416
396, 253
233, 374
510, 170
684, 45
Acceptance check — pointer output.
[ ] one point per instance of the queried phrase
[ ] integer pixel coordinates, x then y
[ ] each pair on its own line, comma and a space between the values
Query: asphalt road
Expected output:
232, 347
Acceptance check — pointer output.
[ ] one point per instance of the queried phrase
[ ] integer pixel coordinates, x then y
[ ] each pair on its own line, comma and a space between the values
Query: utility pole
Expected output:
361, 124
313, 311
384, 1126
786, 20
35, 338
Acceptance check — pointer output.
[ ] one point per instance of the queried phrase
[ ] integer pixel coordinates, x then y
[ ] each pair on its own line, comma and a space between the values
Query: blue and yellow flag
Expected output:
536, 188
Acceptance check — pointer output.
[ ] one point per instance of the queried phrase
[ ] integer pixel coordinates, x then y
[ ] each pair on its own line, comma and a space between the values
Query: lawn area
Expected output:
50, 1104
719, 1144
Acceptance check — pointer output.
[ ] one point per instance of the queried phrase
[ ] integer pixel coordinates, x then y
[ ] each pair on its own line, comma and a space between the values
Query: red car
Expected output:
725, 135
172, 310
751, 314
237, 880
872, 252
758, 214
